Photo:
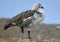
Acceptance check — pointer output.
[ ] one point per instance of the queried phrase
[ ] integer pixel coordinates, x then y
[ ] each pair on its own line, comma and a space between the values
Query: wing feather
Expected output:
22, 16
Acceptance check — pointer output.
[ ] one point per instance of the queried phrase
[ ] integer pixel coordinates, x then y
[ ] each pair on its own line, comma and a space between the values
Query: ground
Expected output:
38, 32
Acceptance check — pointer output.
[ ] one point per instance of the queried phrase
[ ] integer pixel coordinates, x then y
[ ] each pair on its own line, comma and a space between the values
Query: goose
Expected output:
27, 18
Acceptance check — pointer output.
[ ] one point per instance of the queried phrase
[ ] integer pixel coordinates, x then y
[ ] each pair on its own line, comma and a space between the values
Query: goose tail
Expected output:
7, 26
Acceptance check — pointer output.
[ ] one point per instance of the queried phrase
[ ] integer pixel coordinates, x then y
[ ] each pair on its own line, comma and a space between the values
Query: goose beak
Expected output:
42, 7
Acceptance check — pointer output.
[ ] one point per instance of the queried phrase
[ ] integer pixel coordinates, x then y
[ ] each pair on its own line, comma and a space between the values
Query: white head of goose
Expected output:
40, 14
24, 19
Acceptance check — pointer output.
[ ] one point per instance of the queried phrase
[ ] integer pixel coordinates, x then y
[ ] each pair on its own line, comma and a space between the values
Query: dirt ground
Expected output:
25, 40
44, 32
